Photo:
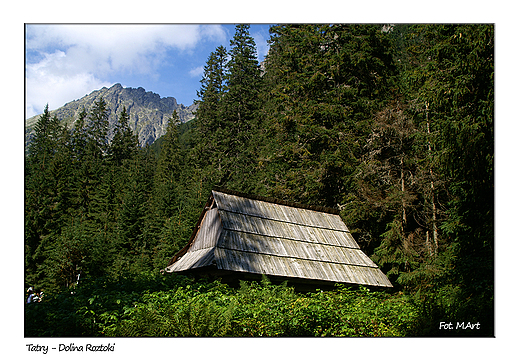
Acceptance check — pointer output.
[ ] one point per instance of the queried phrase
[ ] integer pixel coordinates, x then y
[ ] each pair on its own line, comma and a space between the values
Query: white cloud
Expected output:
119, 47
197, 72
261, 45
65, 62
50, 81
213, 32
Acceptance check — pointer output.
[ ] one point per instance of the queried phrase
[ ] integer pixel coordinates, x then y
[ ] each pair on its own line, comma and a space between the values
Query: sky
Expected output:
64, 62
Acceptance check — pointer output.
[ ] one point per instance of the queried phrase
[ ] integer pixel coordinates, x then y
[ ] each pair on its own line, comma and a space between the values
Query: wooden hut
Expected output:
241, 237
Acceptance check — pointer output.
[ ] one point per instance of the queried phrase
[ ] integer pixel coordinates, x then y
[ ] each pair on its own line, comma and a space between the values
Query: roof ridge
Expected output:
277, 201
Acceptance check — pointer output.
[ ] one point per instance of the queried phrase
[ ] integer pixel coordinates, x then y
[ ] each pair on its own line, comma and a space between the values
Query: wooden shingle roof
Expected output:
242, 234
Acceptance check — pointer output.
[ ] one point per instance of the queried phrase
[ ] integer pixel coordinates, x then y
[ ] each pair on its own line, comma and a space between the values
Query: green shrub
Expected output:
157, 306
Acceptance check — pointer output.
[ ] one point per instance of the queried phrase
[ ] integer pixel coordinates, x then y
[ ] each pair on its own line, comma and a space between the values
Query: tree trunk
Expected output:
428, 244
434, 209
402, 196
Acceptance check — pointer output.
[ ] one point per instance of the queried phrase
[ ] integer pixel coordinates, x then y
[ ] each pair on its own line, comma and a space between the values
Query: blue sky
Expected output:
65, 62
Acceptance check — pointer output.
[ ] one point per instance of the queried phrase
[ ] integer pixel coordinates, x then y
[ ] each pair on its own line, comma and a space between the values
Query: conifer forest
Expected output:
390, 125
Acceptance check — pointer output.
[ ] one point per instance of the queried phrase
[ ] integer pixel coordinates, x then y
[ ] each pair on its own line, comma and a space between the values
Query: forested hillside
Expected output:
392, 125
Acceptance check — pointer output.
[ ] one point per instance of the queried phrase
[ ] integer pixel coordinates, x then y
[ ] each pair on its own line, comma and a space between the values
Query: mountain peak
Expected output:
149, 113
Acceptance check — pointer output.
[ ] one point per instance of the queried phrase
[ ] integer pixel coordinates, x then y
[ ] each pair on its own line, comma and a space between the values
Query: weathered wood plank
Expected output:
278, 212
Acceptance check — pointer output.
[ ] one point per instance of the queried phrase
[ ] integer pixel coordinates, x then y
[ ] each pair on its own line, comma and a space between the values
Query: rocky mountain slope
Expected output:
149, 113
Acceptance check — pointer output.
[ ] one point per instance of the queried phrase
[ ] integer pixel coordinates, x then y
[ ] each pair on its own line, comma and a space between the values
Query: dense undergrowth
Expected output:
175, 306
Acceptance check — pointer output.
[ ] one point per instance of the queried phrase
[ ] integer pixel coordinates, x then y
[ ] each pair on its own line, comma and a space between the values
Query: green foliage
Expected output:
167, 174
97, 129
124, 143
187, 312
323, 84
227, 118
457, 82
168, 306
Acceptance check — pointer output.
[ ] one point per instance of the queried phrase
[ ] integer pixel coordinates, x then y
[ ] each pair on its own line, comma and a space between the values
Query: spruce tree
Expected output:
241, 105
243, 81
93, 165
324, 84
168, 168
97, 129
137, 222
166, 222
227, 118
212, 132
46, 197
124, 144
79, 136
456, 81
165, 179
213, 84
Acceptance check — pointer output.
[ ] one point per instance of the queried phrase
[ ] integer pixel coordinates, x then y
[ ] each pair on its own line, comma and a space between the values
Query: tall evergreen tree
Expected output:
457, 83
137, 224
168, 169
124, 144
241, 105
228, 114
45, 195
79, 136
92, 194
93, 166
97, 129
166, 221
212, 132
213, 85
47, 132
324, 83
389, 204
243, 80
